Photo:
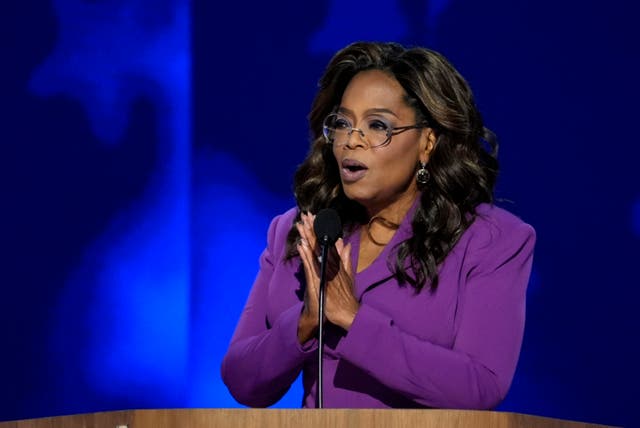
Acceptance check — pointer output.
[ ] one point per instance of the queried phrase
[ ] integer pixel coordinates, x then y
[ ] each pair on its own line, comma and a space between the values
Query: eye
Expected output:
341, 123
378, 126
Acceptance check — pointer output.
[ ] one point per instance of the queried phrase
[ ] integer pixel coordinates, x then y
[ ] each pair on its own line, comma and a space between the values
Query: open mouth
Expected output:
353, 165
352, 170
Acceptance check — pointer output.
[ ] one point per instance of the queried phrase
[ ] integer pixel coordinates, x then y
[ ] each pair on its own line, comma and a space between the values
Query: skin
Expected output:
387, 189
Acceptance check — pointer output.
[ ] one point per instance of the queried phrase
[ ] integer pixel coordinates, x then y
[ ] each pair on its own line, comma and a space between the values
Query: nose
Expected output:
358, 141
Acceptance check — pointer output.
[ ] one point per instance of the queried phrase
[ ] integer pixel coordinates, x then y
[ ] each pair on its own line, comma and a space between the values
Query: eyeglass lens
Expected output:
338, 129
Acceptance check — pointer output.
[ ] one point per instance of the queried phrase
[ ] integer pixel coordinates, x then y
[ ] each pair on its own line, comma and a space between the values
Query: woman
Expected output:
426, 304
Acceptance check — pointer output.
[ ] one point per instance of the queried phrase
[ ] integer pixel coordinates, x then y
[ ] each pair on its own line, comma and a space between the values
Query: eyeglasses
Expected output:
337, 129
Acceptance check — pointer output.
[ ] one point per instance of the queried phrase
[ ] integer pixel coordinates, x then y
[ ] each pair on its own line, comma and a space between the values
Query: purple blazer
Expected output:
456, 347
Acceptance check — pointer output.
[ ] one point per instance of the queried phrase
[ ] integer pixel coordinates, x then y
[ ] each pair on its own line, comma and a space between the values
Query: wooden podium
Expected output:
286, 418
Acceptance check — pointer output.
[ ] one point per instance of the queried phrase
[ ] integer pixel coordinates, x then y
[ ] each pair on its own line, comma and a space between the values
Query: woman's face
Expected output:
380, 177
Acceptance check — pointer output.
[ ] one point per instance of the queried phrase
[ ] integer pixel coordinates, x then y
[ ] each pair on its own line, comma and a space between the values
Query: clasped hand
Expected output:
341, 305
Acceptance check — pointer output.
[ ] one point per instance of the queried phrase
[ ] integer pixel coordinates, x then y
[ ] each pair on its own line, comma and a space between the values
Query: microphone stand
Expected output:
324, 249
327, 227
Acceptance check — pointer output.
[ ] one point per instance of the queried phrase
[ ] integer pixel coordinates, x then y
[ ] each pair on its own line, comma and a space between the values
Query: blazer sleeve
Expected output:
476, 372
263, 359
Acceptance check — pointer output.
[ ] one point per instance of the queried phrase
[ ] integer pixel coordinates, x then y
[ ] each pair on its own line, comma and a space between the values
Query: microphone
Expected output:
327, 226
328, 229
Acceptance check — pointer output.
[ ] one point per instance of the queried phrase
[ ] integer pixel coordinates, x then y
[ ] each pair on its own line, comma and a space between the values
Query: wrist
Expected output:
347, 319
307, 325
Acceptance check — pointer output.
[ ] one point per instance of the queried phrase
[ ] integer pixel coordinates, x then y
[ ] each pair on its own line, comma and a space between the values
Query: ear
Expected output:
427, 143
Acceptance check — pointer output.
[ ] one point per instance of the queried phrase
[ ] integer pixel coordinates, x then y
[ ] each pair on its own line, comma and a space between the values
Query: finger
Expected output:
345, 257
311, 291
341, 248
309, 265
306, 254
302, 252
301, 232
311, 234
308, 223
334, 257
303, 245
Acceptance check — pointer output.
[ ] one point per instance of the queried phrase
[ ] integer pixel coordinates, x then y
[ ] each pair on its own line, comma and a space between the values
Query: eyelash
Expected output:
378, 124
373, 124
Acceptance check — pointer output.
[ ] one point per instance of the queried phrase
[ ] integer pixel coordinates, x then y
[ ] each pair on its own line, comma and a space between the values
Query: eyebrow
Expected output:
369, 111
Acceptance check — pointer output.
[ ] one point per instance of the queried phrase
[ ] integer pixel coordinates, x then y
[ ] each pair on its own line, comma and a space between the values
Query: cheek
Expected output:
402, 161
393, 174
334, 150
397, 173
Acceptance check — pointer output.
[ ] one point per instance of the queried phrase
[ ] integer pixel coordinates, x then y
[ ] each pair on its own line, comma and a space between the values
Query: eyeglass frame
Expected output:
390, 132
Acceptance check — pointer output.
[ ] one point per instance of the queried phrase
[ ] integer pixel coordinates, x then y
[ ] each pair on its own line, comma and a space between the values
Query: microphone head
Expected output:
328, 225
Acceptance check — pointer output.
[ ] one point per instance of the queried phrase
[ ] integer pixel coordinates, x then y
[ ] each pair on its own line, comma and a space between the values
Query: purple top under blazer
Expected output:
454, 348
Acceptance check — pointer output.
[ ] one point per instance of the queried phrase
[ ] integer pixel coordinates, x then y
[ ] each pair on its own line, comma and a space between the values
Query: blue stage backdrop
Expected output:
147, 144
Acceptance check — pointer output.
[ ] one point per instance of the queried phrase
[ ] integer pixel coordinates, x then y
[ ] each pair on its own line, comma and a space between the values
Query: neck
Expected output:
396, 210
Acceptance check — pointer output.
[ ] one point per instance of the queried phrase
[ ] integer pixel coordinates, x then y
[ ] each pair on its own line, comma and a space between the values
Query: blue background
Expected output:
146, 144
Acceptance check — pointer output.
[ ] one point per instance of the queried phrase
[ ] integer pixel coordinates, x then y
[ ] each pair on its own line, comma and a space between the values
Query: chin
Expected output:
360, 196
352, 192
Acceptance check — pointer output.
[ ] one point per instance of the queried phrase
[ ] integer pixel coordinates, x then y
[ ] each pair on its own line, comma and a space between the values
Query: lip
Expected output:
349, 176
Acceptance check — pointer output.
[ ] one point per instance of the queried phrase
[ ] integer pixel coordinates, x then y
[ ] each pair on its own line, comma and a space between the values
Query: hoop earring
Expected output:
423, 176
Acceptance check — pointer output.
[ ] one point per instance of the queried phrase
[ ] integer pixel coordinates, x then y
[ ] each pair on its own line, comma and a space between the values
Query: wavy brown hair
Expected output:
462, 165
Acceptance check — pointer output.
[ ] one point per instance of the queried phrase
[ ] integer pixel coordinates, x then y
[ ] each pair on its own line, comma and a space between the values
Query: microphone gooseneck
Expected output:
328, 229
